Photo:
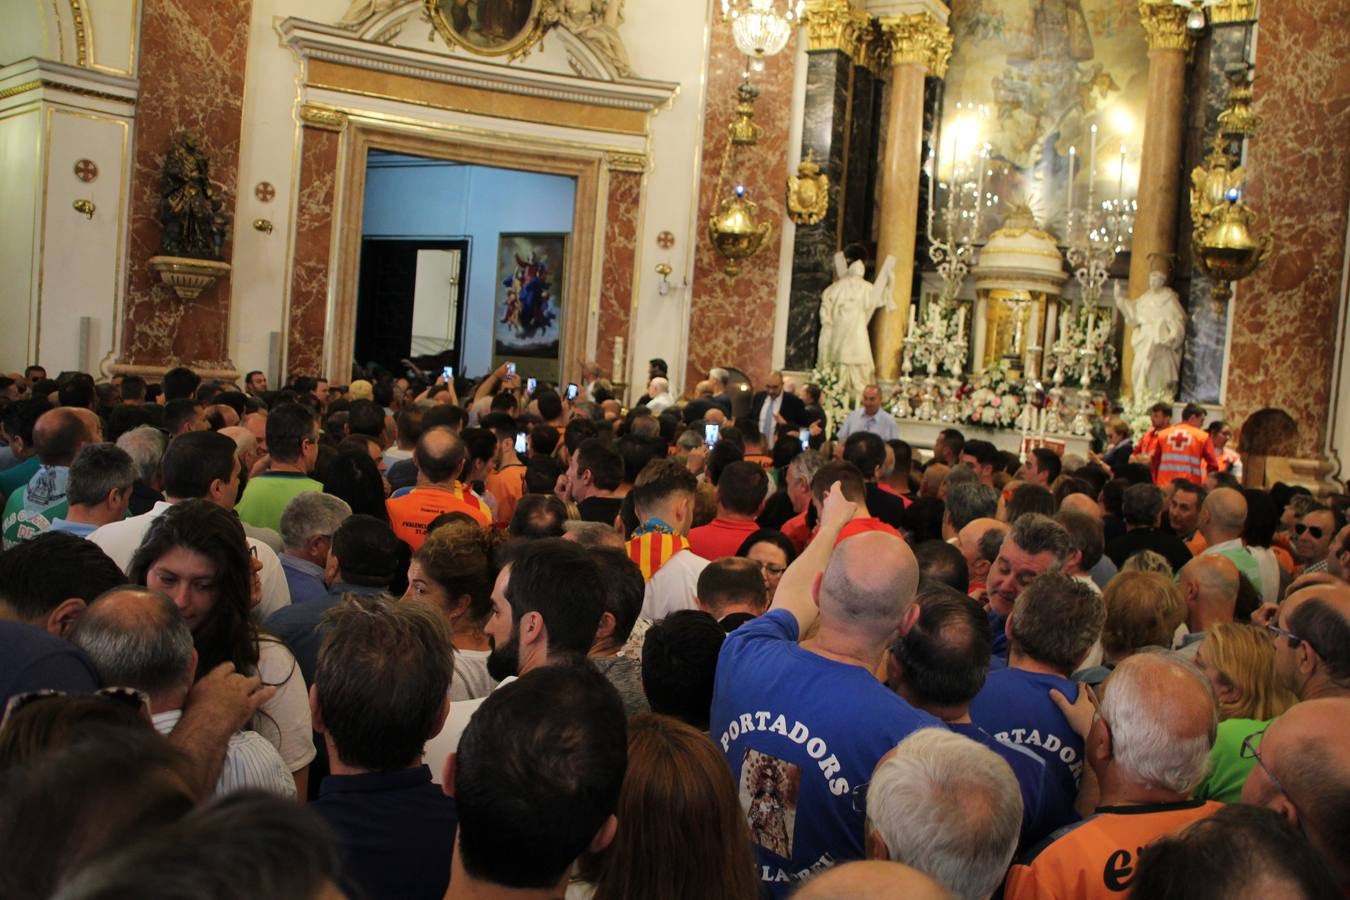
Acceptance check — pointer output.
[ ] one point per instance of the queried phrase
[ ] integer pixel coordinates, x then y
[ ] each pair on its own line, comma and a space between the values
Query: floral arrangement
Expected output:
1073, 336
832, 399
991, 399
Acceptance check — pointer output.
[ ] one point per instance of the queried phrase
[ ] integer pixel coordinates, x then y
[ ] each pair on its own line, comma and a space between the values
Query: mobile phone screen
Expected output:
806, 439
448, 372
531, 384
521, 445
710, 433
510, 368
571, 392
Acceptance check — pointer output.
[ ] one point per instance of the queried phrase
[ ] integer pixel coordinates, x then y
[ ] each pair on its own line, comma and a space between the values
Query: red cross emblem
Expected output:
264, 191
86, 170
1180, 440
665, 240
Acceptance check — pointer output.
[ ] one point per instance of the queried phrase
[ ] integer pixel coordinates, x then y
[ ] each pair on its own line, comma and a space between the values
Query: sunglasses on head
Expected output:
1314, 530
125, 696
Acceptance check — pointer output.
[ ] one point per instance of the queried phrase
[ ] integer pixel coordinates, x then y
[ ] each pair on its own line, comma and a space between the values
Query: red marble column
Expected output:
616, 284
1282, 353
192, 77
731, 320
307, 316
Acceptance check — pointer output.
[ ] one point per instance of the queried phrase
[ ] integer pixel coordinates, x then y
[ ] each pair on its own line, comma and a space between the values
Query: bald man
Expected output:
440, 458
1209, 586
979, 543
873, 880
1222, 519
1149, 748
58, 436
803, 723
1304, 775
1312, 642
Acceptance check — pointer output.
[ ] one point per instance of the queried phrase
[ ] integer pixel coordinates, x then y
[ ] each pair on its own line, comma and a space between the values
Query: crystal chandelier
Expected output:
1195, 19
760, 29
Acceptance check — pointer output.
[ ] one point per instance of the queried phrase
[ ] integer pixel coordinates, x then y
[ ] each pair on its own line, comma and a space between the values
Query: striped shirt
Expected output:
250, 761
653, 550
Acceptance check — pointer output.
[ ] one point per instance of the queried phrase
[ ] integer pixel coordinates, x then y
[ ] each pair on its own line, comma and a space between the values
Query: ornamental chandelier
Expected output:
760, 28
1195, 19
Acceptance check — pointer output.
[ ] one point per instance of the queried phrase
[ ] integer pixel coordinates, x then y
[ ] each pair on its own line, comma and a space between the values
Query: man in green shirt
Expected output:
18, 424
293, 446
58, 435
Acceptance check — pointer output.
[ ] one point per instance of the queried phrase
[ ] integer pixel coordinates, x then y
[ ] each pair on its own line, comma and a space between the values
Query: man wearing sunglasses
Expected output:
1312, 536
1303, 773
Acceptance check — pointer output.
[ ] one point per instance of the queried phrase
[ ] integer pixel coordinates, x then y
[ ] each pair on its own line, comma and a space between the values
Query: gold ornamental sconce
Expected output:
734, 231
663, 286
85, 208
262, 225
808, 192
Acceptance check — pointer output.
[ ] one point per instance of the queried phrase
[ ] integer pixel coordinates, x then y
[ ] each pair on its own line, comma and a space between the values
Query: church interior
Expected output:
1088, 205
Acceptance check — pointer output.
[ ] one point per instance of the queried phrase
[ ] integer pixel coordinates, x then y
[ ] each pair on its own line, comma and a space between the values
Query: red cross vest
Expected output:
1181, 452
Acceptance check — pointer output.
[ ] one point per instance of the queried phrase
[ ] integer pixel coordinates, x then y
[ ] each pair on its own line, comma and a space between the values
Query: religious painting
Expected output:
487, 27
1028, 83
527, 325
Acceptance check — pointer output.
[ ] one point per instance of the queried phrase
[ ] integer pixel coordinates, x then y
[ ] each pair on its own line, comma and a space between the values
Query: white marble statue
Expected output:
1159, 329
846, 308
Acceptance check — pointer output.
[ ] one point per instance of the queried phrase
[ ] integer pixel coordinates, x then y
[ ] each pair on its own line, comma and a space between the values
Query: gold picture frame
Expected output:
507, 28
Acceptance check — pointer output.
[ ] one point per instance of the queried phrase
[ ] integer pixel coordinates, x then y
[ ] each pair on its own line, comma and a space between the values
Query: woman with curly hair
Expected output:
196, 554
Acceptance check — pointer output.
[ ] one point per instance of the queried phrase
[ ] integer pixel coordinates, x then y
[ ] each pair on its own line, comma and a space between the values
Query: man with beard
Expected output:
546, 605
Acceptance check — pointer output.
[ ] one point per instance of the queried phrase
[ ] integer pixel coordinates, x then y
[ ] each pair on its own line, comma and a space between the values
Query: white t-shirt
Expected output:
440, 747
674, 586
285, 720
471, 680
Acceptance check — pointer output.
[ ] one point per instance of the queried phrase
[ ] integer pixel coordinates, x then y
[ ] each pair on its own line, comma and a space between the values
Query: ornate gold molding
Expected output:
323, 117
917, 38
626, 162
1164, 25
1227, 11
81, 39
836, 25
25, 87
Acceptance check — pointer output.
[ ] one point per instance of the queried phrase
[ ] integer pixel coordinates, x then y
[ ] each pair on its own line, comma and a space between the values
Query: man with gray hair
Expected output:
145, 445
800, 472
1053, 625
307, 526
947, 806
1148, 747
98, 491
966, 502
1034, 545
1140, 508
136, 638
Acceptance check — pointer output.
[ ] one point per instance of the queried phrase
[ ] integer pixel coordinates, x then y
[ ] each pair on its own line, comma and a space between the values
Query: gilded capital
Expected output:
1226, 11
917, 38
323, 117
1164, 25
836, 25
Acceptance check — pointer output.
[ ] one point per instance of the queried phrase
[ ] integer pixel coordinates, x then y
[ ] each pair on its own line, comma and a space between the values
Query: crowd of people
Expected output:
414, 637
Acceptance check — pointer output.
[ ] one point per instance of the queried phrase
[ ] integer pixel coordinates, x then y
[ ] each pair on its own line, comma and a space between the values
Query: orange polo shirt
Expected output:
410, 514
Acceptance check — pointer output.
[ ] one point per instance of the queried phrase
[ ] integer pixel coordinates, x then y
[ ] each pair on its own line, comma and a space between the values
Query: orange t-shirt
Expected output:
1096, 858
508, 486
410, 514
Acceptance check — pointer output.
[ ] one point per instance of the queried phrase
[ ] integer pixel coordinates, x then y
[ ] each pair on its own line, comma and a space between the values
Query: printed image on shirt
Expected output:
768, 795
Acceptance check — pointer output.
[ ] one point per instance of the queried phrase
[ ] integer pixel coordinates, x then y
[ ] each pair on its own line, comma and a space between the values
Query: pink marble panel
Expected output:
192, 77
731, 320
616, 285
313, 238
1284, 318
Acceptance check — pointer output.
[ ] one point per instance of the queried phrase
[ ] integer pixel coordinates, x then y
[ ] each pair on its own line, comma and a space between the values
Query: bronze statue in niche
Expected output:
191, 210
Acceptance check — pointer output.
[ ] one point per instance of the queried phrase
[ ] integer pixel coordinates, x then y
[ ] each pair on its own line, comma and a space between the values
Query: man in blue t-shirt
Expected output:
939, 667
1053, 625
803, 725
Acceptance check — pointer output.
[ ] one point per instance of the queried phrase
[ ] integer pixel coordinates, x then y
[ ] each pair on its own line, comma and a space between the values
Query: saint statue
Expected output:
846, 307
1159, 328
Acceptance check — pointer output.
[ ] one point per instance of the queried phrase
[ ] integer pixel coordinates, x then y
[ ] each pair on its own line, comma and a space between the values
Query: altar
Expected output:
922, 435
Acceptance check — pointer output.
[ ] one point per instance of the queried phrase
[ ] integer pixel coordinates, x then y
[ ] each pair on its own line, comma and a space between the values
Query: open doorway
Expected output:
442, 269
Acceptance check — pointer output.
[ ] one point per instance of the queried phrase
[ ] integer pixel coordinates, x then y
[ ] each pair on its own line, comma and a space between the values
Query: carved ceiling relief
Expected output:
504, 28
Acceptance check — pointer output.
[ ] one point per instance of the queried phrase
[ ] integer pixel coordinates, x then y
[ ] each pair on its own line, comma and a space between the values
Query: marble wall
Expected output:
620, 255
731, 319
824, 128
308, 311
1283, 346
192, 77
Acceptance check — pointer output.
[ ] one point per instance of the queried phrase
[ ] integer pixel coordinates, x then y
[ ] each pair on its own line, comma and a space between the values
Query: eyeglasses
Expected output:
771, 569
1314, 530
859, 796
1280, 632
137, 700
1249, 751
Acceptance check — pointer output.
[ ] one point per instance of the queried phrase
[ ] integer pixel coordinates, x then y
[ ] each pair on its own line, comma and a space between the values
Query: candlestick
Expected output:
617, 372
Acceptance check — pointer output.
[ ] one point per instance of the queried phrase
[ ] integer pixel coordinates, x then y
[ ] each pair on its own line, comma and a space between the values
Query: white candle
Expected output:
960, 323
1120, 181
912, 317
1073, 157
617, 372
1092, 166
1091, 322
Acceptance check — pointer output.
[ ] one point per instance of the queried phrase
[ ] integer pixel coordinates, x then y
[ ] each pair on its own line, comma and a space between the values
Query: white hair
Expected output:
950, 808
145, 445
309, 514
660, 385
720, 375
1150, 740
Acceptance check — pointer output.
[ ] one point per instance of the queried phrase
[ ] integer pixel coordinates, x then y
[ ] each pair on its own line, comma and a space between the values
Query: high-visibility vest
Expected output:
1181, 453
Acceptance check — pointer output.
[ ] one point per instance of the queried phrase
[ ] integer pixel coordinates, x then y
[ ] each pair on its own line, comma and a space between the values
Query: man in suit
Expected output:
774, 406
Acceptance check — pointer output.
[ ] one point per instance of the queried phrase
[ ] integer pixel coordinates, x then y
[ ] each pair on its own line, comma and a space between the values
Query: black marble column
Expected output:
860, 176
824, 133
1207, 325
